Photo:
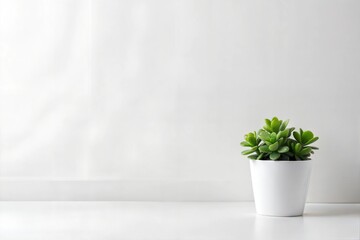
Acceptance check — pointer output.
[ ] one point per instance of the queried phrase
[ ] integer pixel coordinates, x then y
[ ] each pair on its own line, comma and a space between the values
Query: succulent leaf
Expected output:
307, 136
282, 134
297, 148
268, 129
297, 136
283, 149
265, 136
290, 131
284, 125
314, 148
268, 122
275, 124
260, 156
273, 147
274, 156
273, 137
250, 138
312, 140
305, 151
264, 149
251, 150
245, 144
254, 156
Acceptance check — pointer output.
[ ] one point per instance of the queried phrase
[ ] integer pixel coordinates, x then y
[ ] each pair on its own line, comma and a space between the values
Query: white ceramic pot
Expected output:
280, 187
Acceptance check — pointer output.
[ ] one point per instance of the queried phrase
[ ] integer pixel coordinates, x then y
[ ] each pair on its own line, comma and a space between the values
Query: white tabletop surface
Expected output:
172, 220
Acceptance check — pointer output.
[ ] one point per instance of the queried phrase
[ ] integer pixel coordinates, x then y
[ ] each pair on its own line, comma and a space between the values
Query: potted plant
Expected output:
280, 167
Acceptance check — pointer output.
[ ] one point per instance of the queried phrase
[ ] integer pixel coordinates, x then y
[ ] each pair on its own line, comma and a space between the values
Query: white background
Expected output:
148, 100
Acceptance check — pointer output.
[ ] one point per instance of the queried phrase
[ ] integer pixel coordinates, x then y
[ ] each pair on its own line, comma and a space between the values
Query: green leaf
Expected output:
265, 136
260, 156
274, 156
305, 151
307, 136
281, 134
313, 147
297, 136
246, 144
264, 149
267, 128
273, 137
281, 141
274, 147
283, 149
312, 140
254, 156
293, 145
275, 124
248, 151
297, 147
268, 143
284, 125
268, 122
290, 131
250, 138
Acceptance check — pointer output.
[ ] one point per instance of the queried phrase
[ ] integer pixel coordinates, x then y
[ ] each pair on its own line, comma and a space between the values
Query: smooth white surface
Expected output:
170, 221
280, 187
154, 93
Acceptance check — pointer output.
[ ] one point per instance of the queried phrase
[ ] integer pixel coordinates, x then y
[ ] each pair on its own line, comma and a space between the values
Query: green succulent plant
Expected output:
274, 142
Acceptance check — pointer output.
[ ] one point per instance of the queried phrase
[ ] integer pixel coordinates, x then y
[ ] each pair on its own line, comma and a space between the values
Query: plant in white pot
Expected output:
280, 167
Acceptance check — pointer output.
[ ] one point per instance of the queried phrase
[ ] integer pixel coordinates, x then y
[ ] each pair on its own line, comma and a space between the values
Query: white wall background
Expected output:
148, 100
